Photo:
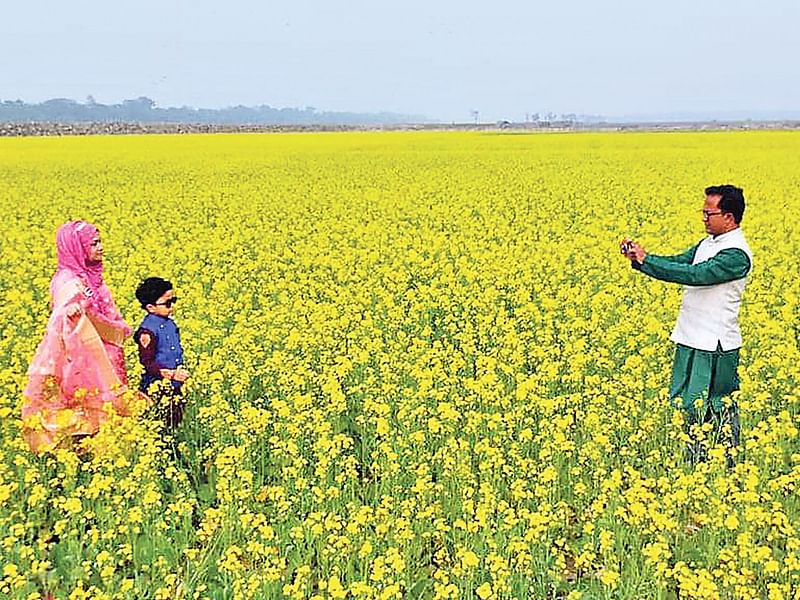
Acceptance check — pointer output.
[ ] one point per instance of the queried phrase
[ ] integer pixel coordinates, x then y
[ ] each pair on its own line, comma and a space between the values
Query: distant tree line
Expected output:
144, 110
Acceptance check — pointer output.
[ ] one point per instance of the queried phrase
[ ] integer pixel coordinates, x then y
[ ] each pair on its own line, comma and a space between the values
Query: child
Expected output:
159, 341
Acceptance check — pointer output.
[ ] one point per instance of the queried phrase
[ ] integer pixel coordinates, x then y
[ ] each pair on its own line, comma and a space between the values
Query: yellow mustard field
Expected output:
420, 369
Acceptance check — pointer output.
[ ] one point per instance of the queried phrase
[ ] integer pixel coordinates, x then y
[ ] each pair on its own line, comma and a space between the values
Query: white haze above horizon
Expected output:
505, 59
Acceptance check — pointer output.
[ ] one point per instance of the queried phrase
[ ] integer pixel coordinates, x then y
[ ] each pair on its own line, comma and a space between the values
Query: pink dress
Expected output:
77, 376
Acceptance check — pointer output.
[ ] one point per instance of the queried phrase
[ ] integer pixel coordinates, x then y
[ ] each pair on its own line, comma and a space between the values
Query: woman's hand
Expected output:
74, 311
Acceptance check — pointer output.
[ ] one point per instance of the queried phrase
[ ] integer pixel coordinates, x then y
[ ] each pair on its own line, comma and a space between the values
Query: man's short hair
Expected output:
151, 289
731, 199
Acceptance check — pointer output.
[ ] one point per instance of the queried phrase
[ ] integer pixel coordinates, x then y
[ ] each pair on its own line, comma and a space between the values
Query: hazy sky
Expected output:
437, 58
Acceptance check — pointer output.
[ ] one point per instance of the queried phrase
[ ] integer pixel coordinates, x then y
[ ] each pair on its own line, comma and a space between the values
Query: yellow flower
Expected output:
150, 497
484, 591
469, 559
73, 505
731, 522
609, 578
381, 426
335, 589
365, 550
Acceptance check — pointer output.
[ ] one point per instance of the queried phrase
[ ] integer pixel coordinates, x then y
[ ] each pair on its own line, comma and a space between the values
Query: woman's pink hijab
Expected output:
73, 245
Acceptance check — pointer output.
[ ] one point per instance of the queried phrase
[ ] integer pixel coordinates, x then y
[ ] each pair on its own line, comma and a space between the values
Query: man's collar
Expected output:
723, 236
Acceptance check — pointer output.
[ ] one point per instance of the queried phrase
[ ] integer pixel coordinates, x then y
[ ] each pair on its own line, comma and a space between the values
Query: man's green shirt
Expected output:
727, 265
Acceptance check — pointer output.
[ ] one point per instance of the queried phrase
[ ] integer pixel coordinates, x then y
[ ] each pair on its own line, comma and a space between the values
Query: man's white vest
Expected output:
709, 314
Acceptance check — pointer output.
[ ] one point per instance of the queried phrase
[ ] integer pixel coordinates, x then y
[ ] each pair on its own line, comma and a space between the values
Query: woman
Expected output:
79, 366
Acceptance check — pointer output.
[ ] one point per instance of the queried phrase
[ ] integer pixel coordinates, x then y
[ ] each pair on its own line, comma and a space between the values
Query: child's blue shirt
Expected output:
168, 353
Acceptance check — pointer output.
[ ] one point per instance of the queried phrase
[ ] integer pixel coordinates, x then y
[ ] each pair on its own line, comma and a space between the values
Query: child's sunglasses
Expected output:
168, 303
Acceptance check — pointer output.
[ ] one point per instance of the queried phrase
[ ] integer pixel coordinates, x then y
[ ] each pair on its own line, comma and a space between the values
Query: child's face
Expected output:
165, 305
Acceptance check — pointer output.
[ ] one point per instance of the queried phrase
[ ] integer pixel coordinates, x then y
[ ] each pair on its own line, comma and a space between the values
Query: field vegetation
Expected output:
421, 369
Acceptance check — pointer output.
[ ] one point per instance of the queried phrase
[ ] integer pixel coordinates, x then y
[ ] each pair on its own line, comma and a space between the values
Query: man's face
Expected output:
715, 220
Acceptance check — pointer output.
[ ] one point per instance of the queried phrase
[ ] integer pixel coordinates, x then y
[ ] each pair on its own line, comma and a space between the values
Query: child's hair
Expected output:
151, 289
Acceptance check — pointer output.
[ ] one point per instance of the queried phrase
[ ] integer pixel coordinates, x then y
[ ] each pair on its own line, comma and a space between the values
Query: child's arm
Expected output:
146, 342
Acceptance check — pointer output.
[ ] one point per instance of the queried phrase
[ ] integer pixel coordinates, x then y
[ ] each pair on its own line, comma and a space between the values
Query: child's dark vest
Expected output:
169, 353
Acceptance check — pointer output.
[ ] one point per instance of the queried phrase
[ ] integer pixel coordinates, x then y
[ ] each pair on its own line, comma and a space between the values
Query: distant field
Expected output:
9, 129
420, 369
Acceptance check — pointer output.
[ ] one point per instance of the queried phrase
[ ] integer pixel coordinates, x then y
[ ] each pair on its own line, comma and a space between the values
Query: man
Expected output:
707, 330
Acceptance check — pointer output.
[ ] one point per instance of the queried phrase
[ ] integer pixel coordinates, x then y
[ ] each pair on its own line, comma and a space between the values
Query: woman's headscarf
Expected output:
73, 246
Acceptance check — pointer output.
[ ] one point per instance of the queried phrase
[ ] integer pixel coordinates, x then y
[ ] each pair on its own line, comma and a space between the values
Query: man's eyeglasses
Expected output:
168, 303
709, 213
